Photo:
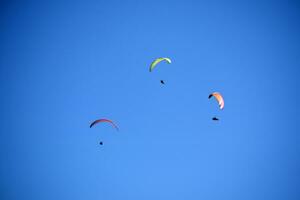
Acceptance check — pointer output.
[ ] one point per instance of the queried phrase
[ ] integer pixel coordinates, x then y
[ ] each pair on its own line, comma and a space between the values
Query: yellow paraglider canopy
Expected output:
158, 60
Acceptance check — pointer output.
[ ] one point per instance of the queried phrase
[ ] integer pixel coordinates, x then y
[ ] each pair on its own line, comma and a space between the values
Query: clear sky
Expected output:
64, 64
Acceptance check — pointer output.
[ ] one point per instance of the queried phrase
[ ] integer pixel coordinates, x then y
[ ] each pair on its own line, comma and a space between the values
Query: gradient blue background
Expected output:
65, 63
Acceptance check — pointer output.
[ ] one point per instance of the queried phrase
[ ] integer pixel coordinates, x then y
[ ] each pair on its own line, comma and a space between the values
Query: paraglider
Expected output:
104, 120
158, 60
219, 98
162, 82
220, 101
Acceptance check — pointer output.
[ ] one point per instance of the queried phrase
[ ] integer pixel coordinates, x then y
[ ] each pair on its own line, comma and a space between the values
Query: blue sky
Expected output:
64, 64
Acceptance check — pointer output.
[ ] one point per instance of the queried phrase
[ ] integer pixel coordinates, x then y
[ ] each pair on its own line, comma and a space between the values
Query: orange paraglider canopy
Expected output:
219, 98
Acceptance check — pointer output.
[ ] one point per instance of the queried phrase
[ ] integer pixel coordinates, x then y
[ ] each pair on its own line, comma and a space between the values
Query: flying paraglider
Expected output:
158, 60
104, 120
215, 119
162, 82
219, 98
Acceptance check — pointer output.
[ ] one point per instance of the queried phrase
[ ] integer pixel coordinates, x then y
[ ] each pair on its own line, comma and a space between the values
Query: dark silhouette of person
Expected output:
162, 82
101, 143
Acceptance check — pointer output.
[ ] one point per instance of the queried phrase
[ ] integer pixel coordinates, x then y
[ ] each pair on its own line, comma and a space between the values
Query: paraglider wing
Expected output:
219, 98
158, 60
104, 120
